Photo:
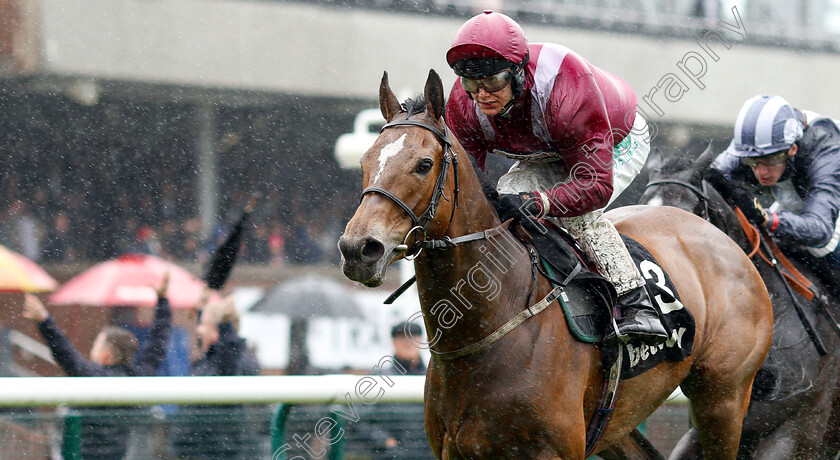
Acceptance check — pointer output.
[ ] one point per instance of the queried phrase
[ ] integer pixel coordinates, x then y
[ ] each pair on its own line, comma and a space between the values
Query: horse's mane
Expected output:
414, 106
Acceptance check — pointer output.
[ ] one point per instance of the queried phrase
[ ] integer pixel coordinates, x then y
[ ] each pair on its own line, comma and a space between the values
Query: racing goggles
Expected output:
491, 83
774, 159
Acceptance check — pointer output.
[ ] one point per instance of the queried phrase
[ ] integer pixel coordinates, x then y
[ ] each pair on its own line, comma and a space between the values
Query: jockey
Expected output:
576, 136
793, 156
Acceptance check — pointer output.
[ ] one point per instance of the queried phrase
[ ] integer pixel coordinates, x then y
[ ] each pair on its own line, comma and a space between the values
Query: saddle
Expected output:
589, 300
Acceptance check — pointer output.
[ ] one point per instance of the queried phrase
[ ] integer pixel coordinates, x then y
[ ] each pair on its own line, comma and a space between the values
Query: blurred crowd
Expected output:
92, 183
66, 236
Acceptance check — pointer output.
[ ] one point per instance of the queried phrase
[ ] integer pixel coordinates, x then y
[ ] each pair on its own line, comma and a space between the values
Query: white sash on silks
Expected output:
537, 172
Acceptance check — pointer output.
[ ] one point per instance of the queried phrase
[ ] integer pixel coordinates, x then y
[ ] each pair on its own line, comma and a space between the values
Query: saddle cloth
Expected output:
588, 299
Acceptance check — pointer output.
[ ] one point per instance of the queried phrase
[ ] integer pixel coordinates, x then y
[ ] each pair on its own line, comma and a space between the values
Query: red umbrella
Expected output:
130, 281
19, 274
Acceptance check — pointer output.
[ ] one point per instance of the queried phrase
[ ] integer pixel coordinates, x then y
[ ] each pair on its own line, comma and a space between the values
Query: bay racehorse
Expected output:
495, 390
795, 411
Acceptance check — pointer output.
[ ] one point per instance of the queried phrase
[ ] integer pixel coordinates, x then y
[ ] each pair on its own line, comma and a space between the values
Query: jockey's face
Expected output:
768, 175
492, 103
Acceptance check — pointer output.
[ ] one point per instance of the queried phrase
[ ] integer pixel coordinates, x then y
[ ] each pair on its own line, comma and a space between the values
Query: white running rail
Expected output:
292, 389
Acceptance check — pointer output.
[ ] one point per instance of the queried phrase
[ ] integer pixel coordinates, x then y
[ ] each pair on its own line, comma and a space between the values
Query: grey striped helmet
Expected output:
765, 125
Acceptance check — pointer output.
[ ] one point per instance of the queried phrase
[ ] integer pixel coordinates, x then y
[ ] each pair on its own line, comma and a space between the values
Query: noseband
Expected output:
422, 221
700, 193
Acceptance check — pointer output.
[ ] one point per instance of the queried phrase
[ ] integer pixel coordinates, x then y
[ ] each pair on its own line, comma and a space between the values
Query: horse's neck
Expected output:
724, 218
469, 290
473, 213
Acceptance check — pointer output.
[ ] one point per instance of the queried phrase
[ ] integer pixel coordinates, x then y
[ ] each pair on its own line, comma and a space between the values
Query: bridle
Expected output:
421, 222
699, 192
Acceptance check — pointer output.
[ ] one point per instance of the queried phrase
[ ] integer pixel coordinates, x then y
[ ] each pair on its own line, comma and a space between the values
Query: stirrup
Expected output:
618, 337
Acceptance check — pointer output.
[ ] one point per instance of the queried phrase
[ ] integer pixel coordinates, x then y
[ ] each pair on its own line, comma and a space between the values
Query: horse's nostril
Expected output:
372, 250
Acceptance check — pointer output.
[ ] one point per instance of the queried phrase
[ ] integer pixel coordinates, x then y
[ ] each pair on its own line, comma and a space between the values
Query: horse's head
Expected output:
410, 179
678, 181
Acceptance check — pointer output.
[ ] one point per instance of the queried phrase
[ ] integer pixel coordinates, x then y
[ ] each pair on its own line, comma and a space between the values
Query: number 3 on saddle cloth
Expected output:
588, 299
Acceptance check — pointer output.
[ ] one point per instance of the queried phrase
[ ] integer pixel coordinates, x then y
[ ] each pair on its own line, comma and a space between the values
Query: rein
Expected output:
794, 277
512, 323
503, 330
701, 193
751, 232
797, 280
443, 243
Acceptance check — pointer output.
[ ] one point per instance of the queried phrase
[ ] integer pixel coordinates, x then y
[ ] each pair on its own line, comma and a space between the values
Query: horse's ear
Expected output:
705, 159
655, 160
435, 100
388, 103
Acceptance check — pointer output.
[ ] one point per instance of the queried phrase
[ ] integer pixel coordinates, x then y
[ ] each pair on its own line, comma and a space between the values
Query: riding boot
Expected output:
639, 319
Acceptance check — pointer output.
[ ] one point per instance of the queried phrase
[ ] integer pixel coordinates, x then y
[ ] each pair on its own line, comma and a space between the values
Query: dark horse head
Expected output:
678, 181
795, 407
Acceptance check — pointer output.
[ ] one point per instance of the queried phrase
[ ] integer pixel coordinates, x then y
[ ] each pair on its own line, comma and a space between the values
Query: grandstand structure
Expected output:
218, 89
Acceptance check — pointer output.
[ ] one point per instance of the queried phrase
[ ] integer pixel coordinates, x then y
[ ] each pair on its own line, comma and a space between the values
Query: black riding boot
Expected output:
639, 319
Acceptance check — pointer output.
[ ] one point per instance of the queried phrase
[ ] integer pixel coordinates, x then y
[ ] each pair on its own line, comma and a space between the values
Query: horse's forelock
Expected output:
414, 106
674, 164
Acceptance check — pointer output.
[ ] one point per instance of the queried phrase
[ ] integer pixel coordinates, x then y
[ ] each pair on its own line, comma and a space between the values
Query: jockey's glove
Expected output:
489, 191
750, 206
518, 206
738, 196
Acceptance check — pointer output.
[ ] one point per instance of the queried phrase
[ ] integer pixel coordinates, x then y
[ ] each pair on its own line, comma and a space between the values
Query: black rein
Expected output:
701, 194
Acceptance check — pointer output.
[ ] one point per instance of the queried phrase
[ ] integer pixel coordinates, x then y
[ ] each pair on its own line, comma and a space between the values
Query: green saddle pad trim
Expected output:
570, 320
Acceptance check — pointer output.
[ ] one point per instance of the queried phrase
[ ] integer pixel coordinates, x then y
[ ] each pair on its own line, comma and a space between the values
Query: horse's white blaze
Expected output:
386, 153
655, 201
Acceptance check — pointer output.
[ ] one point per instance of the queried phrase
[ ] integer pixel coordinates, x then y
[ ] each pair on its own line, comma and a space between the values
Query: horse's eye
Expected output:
424, 166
